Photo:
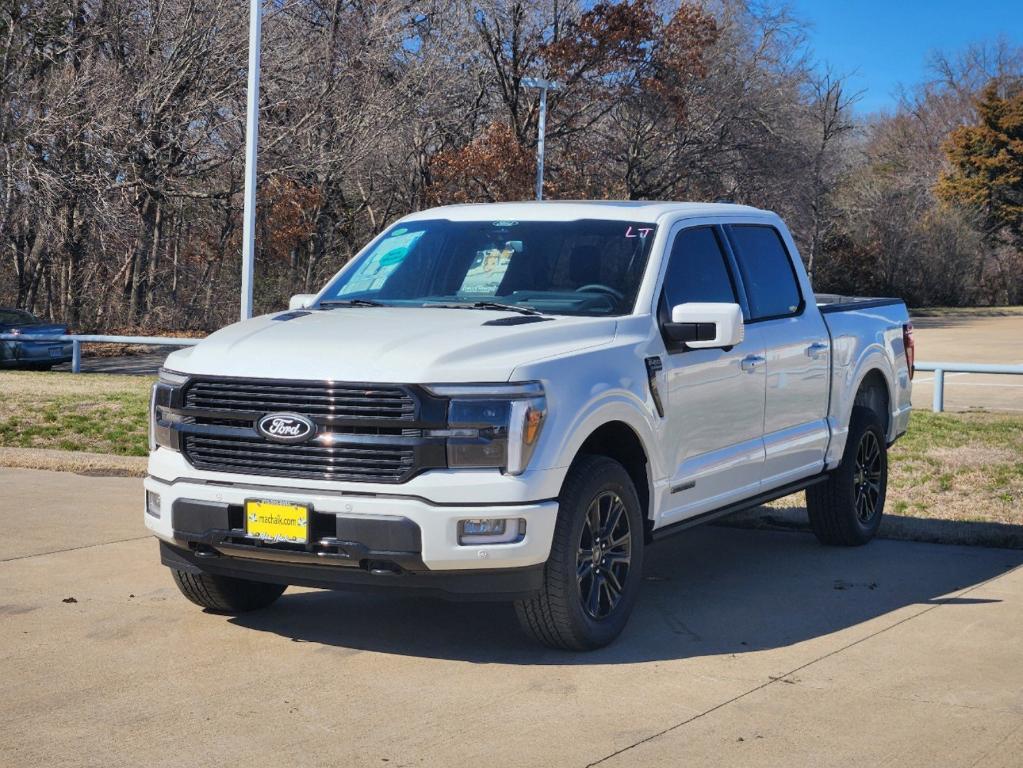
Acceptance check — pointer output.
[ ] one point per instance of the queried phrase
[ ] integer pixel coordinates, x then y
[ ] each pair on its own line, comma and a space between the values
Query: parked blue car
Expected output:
25, 352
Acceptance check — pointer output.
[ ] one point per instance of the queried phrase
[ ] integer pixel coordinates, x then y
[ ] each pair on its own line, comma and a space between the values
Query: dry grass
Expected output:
966, 311
964, 466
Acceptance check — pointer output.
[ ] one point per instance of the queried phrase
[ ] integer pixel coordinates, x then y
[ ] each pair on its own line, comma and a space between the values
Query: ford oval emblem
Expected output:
285, 427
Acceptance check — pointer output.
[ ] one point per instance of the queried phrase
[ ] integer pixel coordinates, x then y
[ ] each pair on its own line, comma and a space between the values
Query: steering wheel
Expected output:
601, 288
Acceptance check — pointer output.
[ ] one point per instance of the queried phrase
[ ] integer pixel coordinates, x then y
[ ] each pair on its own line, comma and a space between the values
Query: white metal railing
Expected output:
78, 339
940, 369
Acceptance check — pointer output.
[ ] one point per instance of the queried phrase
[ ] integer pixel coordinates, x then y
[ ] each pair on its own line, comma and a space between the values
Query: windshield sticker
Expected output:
641, 232
487, 271
385, 258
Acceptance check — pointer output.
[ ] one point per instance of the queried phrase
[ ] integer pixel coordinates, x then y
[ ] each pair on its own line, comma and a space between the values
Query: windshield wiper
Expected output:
488, 305
352, 303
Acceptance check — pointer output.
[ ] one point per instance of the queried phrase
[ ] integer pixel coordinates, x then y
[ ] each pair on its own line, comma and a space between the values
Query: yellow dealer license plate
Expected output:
275, 521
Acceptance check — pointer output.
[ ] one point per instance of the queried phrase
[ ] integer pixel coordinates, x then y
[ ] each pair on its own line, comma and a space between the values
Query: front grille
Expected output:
373, 433
254, 456
326, 400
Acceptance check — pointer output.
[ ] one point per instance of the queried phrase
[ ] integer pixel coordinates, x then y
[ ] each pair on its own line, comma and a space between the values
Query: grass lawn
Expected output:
959, 466
84, 412
954, 466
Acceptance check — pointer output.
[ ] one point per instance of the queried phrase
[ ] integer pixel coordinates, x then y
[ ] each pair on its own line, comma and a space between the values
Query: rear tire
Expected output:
225, 594
593, 574
846, 509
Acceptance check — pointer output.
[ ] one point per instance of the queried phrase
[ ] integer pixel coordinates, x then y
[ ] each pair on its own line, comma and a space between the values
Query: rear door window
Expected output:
697, 269
767, 271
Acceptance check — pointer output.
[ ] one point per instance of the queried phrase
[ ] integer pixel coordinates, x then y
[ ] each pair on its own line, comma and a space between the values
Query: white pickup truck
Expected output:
512, 401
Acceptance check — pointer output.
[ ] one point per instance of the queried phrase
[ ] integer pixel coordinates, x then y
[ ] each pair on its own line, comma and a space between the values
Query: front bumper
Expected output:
371, 537
477, 584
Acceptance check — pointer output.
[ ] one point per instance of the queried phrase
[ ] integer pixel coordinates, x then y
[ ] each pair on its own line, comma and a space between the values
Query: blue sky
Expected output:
887, 43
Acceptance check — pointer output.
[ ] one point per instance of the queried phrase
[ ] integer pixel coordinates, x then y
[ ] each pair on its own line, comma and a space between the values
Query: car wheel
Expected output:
225, 594
592, 576
846, 509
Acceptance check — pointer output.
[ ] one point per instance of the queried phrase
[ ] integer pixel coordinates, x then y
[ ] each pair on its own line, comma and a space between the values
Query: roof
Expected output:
569, 210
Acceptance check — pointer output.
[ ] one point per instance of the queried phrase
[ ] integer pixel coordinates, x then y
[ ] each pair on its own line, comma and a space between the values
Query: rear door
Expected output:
798, 354
715, 397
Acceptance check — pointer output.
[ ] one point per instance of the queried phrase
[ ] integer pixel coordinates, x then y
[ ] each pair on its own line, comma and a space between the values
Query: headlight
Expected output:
492, 425
172, 378
166, 394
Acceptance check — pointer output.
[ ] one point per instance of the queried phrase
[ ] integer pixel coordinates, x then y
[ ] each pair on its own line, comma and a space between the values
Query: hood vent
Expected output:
517, 320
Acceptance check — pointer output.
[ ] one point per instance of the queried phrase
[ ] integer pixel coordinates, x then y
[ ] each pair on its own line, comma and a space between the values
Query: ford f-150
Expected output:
513, 401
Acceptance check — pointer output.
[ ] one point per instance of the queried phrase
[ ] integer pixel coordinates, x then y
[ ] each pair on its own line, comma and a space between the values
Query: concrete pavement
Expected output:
968, 339
747, 648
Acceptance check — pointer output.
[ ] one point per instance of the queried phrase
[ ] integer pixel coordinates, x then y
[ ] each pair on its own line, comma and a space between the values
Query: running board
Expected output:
738, 506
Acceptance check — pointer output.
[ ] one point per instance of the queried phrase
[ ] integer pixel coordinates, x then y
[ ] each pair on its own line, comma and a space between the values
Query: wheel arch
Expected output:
874, 392
618, 440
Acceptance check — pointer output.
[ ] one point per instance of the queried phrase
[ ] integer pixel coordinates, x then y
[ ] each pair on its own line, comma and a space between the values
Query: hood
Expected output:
387, 344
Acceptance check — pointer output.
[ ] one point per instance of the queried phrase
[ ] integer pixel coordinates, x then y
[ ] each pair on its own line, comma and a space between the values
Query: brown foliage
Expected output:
122, 131
492, 167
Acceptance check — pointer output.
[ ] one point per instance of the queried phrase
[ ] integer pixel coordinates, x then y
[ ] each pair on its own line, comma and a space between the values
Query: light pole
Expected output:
251, 143
544, 86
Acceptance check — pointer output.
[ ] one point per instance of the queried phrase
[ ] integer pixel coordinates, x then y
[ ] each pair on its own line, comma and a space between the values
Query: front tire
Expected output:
593, 574
846, 509
225, 594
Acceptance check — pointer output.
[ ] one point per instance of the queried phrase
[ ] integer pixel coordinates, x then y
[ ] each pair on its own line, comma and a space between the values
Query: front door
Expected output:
715, 397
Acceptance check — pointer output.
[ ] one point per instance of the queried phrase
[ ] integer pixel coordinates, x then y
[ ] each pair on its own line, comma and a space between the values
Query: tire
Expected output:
225, 594
580, 606
846, 509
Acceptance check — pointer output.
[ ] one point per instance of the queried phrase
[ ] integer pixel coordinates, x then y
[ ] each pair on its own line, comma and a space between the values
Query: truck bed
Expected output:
833, 302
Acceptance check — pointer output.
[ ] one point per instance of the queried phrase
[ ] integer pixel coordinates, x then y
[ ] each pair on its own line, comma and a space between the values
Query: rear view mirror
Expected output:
705, 325
301, 300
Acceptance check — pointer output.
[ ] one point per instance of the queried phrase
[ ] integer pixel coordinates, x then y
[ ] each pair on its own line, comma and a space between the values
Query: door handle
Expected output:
750, 362
816, 349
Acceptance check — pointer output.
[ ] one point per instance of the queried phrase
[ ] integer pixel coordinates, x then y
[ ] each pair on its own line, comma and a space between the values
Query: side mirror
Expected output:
705, 325
301, 300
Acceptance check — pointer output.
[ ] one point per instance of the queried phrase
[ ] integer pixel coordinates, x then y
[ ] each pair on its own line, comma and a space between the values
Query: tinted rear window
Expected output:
767, 271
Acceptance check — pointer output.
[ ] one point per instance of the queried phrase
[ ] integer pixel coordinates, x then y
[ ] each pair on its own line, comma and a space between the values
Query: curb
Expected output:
79, 462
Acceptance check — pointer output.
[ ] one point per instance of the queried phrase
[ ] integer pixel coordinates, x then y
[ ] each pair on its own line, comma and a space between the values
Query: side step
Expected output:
738, 506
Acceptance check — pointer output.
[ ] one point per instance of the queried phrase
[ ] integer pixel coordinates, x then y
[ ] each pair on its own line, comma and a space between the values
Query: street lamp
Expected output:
251, 143
544, 86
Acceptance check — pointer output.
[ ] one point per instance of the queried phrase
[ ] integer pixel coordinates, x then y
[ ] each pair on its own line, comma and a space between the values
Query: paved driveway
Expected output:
960, 339
144, 364
747, 648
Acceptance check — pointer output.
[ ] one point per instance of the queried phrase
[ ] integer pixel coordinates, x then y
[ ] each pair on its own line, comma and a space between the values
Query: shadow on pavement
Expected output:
904, 527
708, 591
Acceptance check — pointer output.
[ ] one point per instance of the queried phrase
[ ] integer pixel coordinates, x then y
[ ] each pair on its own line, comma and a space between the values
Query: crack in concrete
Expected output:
73, 549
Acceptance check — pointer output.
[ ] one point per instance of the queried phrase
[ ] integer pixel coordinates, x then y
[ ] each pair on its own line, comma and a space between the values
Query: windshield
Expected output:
584, 267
